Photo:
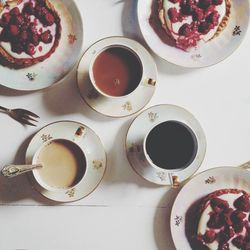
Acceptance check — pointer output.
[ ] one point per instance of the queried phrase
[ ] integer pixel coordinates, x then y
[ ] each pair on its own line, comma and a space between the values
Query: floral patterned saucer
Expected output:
90, 144
140, 128
199, 186
209, 53
60, 63
118, 106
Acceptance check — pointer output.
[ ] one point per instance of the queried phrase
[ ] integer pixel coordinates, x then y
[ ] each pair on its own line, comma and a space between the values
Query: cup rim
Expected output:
91, 75
39, 179
177, 170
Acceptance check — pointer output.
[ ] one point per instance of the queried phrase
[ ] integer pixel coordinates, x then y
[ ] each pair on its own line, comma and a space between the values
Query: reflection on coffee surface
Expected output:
64, 164
117, 71
171, 145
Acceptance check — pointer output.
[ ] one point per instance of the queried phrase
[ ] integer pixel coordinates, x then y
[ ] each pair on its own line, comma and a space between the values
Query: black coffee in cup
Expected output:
171, 145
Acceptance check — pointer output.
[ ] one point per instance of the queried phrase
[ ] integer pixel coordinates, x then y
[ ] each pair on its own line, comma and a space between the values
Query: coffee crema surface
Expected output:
117, 71
171, 145
64, 164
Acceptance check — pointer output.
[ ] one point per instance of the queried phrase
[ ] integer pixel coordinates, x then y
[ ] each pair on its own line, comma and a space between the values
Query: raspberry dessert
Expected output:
192, 22
223, 221
30, 32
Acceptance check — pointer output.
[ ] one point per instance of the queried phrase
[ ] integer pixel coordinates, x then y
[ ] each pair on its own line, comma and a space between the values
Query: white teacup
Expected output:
116, 71
165, 145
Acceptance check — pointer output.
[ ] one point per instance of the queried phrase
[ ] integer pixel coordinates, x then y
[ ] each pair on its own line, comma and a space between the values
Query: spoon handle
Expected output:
10, 171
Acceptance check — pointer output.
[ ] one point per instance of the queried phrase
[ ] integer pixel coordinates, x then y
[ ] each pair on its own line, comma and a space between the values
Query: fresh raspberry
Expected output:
215, 221
17, 48
224, 246
28, 8
243, 203
14, 31
198, 14
209, 236
48, 19
204, 4
32, 28
238, 241
6, 18
213, 18
185, 30
4, 36
217, 202
187, 7
19, 20
173, 15
238, 227
35, 39
238, 216
46, 37
227, 217
15, 11
38, 10
226, 234
217, 2
23, 37
204, 28
30, 49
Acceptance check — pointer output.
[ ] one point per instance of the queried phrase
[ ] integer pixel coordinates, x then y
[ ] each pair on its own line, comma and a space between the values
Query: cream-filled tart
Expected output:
193, 22
223, 221
30, 31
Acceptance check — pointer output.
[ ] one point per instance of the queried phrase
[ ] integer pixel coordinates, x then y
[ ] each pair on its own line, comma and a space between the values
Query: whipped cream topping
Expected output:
42, 48
205, 216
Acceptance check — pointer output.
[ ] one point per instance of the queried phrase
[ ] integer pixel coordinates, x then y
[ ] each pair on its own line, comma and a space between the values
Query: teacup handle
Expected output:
175, 182
245, 165
150, 82
10, 171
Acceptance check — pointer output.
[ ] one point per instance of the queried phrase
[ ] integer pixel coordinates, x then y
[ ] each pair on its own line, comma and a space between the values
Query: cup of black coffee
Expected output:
171, 145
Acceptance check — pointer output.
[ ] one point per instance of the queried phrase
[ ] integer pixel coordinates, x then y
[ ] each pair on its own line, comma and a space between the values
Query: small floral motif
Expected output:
178, 220
127, 106
162, 176
71, 38
236, 31
97, 164
93, 94
152, 116
46, 137
32, 76
71, 193
196, 57
210, 180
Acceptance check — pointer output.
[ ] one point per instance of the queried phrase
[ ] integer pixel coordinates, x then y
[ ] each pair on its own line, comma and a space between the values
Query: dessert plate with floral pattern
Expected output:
52, 66
198, 187
209, 53
87, 141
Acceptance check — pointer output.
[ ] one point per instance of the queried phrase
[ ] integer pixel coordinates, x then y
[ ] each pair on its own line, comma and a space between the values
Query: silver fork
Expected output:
21, 115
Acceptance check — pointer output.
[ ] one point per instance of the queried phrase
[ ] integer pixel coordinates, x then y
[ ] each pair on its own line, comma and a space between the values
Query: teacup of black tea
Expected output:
117, 71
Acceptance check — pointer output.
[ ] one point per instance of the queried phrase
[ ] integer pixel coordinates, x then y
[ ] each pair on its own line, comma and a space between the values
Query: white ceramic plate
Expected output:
60, 63
210, 53
90, 145
122, 106
200, 186
141, 126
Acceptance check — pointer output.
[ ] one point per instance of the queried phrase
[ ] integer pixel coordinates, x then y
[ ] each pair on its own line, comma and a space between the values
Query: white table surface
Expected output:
125, 212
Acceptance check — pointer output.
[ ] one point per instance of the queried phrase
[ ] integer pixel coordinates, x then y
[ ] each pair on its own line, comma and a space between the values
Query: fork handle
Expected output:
3, 109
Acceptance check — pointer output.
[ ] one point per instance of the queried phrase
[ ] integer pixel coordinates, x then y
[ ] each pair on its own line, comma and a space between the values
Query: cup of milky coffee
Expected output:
117, 71
63, 164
